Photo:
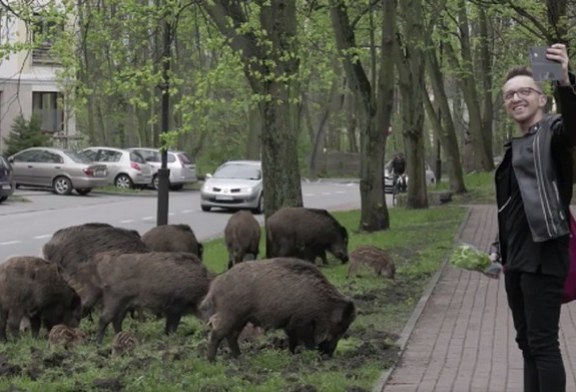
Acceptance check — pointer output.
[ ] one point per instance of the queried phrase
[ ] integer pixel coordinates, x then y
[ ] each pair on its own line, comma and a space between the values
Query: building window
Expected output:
47, 106
44, 32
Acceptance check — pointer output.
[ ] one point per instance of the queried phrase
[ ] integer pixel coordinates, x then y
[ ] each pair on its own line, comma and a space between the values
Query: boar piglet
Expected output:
173, 238
305, 233
242, 237
31, 287
374, 257
167, 283
280, 293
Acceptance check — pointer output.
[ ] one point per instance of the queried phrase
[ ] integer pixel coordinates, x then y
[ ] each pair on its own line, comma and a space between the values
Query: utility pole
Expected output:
164, 172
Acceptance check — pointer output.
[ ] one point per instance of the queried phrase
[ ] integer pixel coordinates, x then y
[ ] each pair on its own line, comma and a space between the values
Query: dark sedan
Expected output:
6, 179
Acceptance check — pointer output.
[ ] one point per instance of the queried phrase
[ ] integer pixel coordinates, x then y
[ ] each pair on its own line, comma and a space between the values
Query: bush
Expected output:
24, 134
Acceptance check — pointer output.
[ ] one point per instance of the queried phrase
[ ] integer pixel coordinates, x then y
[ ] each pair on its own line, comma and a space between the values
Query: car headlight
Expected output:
248, 190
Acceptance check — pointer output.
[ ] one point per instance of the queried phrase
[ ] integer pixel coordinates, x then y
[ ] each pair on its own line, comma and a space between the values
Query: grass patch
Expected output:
142, 191
481, 189
418, 242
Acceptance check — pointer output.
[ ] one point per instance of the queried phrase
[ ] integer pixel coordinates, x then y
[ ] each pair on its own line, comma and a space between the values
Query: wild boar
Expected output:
124, 342
31, 287
242, 237
73, 245
68, 337
305, 233
173, 238
280, 293
167, 283
374, 257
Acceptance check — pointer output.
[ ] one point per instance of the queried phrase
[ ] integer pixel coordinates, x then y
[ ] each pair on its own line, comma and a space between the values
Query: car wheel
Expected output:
177, 187
260, 208
3, 198
155, 182
62, 186
123, 181
205, 208
84, 191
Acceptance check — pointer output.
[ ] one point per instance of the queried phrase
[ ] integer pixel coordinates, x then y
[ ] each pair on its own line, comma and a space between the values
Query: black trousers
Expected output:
535, 301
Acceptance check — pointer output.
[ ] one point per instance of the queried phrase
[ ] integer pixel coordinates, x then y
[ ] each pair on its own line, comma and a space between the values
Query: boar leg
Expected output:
172, 321
300, 332
35, 323
3, 322
14, 319
113, 310
220, 330
118, 319
232, 339
213, 343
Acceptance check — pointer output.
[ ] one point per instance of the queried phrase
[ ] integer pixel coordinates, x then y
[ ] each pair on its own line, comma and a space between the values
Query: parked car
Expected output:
182, 169
234, 185
126, 169
6, 179
388, 178
61, 170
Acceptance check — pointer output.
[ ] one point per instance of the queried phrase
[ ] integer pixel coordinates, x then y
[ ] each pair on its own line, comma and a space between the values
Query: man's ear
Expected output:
542, 100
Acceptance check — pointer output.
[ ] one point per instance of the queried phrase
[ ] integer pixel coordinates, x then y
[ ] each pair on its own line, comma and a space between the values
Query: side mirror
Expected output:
208, 175
11, 160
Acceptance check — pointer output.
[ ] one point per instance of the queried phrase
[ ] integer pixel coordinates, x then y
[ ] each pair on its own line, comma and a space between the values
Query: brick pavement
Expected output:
463, 338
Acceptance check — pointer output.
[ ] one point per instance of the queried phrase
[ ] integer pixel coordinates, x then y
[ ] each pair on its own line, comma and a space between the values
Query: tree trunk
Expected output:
410, 65
276, 87
373, 119
467, 83
445, 133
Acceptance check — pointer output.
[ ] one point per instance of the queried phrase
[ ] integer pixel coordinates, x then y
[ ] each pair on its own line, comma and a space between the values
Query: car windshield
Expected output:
248, 172
77, 157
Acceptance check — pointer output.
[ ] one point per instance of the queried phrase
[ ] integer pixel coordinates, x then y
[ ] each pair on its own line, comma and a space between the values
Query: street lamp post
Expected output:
164, 172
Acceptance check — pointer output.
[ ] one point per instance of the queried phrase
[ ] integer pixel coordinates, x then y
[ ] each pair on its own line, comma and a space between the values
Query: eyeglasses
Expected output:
523, 92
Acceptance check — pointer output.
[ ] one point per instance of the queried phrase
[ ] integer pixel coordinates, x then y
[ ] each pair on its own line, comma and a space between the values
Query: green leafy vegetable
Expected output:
470, 258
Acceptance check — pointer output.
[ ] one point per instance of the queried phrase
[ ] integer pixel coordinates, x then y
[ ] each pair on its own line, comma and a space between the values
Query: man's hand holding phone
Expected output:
550, 63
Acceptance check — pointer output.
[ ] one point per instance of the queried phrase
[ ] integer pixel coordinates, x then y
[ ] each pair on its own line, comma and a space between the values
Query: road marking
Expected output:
326, 193
186, 211
39, 237
170, 214
127, 221
340, 192
148, 218
10, 242
309, 194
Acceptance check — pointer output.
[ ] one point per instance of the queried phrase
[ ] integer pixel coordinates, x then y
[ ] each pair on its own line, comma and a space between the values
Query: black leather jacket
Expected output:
546, 187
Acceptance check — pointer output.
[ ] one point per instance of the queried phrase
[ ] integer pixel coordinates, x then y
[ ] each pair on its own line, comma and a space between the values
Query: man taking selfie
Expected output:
533, 192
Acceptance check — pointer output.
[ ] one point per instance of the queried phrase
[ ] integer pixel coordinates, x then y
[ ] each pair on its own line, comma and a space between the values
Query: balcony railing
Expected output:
43, 56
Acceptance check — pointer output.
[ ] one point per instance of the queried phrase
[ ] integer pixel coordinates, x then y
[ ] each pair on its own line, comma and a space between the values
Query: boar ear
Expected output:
344, 312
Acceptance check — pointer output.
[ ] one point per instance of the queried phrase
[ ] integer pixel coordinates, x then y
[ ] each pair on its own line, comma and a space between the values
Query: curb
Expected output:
417, 312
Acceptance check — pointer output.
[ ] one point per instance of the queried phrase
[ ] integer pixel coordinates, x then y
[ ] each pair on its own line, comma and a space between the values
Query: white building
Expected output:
29, 84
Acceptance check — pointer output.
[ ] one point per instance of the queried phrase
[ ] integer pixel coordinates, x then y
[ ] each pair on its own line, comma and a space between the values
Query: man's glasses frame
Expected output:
523, 92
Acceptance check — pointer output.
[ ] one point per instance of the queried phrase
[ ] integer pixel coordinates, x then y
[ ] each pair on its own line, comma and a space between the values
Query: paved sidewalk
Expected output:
463, 339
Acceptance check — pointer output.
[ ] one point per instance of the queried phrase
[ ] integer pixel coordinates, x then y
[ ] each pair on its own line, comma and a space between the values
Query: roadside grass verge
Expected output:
480, 186
418, 241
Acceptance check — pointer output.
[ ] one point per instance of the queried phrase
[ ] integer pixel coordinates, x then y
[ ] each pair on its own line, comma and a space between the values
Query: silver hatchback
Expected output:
61, 170
182, 168
126, 169
234, 185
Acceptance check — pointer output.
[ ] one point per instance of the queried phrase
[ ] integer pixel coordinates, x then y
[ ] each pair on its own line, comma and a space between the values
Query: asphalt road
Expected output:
26, 226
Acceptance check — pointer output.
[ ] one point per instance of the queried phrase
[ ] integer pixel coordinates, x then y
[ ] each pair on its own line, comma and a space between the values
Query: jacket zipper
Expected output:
505, 205
544, 200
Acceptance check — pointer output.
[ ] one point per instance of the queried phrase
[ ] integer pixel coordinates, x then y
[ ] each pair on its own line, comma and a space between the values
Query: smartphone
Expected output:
542, 68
